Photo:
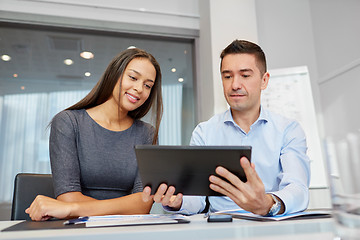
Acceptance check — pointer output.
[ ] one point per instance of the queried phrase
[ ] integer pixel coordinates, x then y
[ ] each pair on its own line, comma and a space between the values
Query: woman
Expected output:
92, 143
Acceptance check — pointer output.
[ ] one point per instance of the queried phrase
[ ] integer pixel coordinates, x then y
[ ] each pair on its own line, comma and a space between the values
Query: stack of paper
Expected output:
128, 220
240, 213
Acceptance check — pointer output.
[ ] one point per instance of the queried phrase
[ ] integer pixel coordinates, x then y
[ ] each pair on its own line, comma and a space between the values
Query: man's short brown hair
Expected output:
243, 46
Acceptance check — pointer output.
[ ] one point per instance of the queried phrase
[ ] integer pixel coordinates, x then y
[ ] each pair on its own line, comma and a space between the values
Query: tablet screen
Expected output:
188, 168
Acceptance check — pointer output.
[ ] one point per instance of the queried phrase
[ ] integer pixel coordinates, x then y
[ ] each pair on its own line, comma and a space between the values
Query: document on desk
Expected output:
239, 213
130, 220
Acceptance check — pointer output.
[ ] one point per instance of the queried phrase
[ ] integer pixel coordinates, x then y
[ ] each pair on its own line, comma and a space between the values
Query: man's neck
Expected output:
245, 118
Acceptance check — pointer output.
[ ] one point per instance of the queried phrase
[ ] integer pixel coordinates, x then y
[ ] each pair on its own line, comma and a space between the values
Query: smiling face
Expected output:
137, 81
242, 82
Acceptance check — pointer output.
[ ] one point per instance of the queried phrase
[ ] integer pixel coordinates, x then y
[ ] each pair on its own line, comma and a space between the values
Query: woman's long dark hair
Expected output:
105, 86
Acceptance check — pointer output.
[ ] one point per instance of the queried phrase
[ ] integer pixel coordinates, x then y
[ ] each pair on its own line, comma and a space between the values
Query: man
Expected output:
279, 182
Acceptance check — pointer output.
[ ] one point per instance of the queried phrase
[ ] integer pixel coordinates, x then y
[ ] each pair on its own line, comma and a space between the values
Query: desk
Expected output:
199, 228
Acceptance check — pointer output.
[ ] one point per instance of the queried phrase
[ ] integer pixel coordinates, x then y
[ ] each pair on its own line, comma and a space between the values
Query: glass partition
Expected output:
42, 72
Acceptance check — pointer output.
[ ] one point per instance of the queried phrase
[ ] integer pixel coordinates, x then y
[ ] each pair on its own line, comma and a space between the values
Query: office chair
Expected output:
27, 187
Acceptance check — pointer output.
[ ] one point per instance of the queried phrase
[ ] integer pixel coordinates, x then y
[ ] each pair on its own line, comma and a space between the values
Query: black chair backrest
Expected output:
27, 187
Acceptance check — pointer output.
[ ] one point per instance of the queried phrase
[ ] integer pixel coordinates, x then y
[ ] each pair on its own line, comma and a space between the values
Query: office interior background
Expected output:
186, 36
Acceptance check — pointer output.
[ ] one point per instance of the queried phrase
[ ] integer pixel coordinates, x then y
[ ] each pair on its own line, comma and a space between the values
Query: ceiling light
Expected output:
68, 62
87, 74
87, 55
173, 69
15, 75
22, 87
180, 79
5, 58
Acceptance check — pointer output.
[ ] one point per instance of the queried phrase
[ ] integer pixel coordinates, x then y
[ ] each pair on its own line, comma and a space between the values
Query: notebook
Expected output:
188, 168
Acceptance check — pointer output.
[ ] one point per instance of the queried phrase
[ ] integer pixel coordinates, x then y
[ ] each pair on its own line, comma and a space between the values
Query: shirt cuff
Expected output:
190, 205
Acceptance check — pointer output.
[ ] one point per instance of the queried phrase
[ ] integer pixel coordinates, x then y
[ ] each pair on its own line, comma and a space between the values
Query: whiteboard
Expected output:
289, 94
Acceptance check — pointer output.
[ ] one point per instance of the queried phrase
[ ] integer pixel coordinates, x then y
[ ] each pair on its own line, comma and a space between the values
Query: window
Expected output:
42, 72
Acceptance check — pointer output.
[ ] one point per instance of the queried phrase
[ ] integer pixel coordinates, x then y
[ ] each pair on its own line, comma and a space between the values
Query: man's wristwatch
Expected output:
275, 208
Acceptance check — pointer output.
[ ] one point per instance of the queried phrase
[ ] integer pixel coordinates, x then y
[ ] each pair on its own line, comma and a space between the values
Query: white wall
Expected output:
337, 45
220, 24
227, 25
324, 35
286, 36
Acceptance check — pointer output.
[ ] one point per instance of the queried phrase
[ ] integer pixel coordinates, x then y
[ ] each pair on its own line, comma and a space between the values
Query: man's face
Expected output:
242, 82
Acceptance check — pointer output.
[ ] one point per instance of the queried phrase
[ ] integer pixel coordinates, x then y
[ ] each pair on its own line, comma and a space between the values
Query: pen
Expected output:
76, 220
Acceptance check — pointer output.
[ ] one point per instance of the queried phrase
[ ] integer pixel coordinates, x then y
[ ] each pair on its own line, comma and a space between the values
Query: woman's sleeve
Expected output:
64, 155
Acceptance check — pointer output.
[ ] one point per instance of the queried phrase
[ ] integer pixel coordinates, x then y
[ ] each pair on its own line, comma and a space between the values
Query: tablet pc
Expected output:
188, 168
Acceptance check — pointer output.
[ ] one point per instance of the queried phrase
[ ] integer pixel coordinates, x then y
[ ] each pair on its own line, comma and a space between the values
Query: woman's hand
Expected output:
44, 208
165, 196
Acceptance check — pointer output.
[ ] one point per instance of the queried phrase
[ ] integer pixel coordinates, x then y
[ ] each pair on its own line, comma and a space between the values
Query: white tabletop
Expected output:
199, 228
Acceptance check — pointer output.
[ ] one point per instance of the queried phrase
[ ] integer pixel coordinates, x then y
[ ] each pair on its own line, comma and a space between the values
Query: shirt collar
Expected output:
264, 116
228, 116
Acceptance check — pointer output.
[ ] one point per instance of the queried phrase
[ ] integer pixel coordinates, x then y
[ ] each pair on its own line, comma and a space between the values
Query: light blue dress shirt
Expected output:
278, 152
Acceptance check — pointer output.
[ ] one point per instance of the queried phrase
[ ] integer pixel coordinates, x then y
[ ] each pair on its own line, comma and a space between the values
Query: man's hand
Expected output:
250, 196
44, 208
165, 196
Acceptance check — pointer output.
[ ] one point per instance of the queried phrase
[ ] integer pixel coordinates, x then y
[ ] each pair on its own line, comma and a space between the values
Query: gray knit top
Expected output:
88, 158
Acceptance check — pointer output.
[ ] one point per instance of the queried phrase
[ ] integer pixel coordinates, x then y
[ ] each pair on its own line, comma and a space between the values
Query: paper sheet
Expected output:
239, 213
128, 220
